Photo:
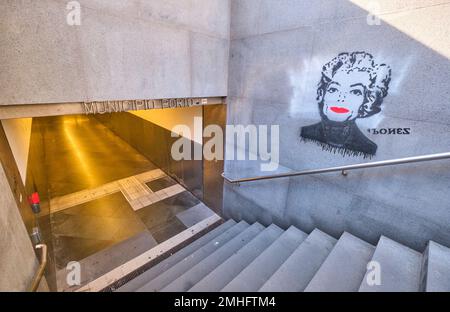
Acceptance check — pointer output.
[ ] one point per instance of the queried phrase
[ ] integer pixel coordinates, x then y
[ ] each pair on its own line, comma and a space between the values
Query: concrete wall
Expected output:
134, 49
278, 50
18, 262
169, 118
18, 132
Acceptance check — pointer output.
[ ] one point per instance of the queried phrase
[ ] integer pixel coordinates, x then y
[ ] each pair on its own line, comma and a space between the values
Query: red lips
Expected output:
339, 110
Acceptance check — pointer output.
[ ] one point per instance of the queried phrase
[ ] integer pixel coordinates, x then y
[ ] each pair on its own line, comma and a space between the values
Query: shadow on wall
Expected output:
277, 64
155, 143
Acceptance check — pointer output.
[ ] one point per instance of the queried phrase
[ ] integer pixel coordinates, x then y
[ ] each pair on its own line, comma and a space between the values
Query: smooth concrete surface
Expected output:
278, 49
18, 132
400, 268
14, 178
299, 269
259, 17
267, 263
18, 262
438, 270
344, 268
319, 263
135, 49
225, 272
77, 108
169, 118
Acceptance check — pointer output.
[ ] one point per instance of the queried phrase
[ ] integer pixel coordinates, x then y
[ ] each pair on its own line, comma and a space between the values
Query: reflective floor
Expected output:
108, 203
81, 153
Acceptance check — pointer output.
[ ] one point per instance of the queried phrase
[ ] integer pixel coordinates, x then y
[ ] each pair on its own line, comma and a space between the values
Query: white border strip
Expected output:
70, 200
134, 264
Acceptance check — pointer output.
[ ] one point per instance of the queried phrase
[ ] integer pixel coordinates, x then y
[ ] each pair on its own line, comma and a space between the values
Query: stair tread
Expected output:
262, 268
438, 271
226, 271
344, 268
164, 265
208, 264
298, 270
191, 260
400, 268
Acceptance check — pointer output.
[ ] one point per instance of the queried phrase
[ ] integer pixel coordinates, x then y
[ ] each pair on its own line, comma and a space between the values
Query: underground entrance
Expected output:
108, 189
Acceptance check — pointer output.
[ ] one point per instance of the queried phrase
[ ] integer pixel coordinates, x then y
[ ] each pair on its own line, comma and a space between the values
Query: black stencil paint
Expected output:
352, 86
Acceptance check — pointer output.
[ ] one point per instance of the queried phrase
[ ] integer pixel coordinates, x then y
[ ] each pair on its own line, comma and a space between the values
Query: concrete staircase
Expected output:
244, 258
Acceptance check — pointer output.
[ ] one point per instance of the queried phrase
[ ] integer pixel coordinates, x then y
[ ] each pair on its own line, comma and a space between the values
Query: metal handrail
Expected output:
40, 272
344, 169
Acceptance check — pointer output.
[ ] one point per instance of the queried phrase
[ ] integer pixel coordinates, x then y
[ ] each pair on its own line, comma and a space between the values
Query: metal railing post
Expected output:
40, 272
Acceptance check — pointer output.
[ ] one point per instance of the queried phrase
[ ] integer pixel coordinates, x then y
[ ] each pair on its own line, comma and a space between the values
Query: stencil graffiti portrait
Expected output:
352, 86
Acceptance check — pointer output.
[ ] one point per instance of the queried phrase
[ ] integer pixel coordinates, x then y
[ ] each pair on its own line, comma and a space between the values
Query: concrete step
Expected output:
203, 268
345, 267
400, 268
229, 269
298, 270
153, 272
438, 268
263, 267
193, 259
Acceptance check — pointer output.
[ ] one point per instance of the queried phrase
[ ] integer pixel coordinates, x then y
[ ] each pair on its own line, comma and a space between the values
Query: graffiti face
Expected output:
352, 86
345, 95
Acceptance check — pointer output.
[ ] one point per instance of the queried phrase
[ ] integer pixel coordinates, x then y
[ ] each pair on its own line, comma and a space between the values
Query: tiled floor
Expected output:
159, 184
194, 215
85, 231
107, 259
161, 217
116, 216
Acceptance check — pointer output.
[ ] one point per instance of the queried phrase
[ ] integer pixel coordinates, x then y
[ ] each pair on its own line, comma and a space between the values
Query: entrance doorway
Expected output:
108, 195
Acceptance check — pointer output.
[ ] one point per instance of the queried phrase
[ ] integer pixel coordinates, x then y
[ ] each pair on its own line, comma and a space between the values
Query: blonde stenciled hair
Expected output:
379, 76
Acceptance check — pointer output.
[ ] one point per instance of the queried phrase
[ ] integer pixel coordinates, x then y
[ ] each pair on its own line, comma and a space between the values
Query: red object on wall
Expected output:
34, 198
